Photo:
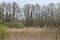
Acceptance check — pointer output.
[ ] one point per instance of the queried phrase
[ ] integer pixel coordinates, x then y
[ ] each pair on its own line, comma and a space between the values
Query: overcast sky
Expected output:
22, 2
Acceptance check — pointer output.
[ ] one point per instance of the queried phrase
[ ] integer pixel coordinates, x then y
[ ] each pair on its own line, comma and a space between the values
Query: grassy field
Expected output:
31, 34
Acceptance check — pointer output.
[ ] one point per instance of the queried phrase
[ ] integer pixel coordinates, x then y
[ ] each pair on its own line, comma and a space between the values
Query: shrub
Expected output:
15, 24
1, 22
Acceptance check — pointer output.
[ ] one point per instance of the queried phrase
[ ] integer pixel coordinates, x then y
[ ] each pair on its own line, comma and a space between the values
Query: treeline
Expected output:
42, 16
9, 10
34, 15
8, 14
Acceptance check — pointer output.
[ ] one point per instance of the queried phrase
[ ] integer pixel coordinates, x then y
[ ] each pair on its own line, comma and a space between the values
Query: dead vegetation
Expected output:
31, 34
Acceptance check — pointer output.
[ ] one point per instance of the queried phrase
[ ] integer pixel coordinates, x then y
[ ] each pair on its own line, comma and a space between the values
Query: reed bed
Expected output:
31, 34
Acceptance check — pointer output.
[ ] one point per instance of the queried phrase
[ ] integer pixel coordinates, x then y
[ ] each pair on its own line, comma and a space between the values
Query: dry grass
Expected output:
31, 34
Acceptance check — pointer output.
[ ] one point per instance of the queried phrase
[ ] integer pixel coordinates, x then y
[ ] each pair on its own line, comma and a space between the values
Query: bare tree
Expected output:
26, 10
3, 9
14, 7
1, 14
52, 9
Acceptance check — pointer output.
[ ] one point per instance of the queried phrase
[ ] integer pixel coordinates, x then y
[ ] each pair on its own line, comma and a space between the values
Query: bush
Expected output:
1, 22
15, 24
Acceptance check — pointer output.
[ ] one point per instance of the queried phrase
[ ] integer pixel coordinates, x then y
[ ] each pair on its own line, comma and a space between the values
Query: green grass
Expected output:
3, 31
